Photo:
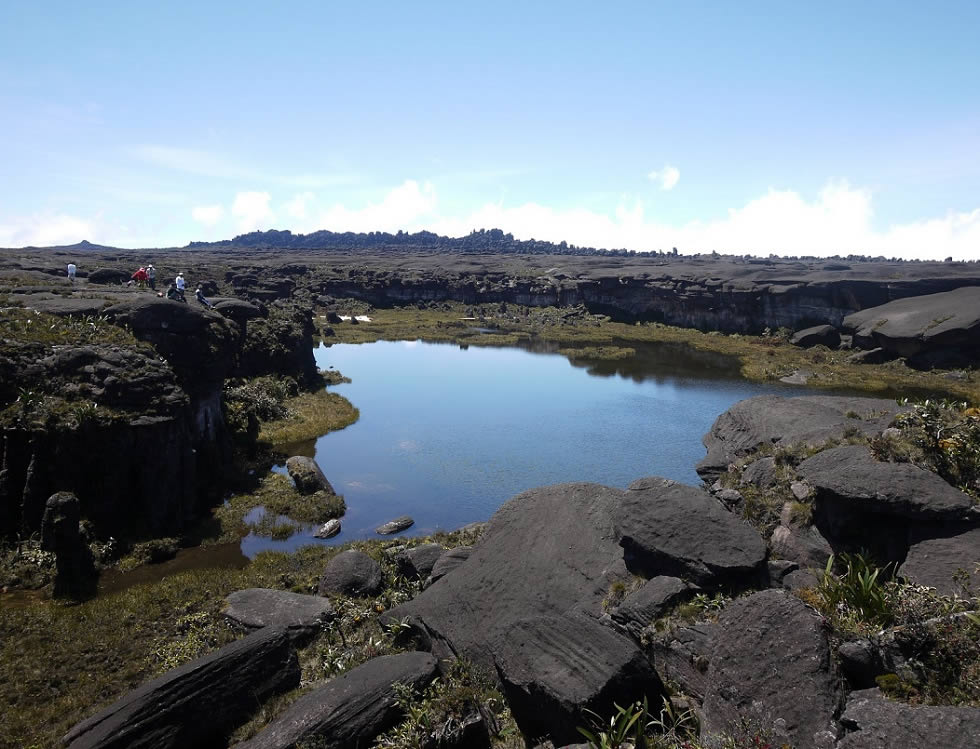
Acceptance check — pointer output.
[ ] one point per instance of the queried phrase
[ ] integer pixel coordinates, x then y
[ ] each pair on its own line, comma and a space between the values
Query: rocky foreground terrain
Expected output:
718, 602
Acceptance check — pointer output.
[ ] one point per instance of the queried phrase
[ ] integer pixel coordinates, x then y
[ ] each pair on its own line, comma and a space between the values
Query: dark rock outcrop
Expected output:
60, 534
307, 476
350, 710
351, 573
448, 561
951, 565
650, 602
819, 335
419, 560
873, 722
805, 546
300, 615
555, 668
671, 529
774, 420
682, 656
772, 663
198, 704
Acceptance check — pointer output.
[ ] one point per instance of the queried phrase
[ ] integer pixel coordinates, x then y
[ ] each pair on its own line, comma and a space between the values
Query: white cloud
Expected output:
46, 230
402, 208
208, 215
667, 177
297, 206
252, 210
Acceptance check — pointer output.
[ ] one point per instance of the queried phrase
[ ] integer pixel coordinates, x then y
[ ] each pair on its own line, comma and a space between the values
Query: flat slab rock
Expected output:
771, 661
553, 669
946, 564
395, 526
874, 722
851, 475
263, 607
775, 420
197, 704
653, 600
351, 709
672, 529
351, 573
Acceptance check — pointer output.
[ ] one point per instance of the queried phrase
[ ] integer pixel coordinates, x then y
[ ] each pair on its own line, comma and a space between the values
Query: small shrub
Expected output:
857, 594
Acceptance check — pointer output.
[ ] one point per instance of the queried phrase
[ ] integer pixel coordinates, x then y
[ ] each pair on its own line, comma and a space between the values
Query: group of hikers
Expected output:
146, 275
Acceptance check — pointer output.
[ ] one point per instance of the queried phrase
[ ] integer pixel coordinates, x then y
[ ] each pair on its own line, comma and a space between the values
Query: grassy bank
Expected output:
60, 663
310, 415
758, 358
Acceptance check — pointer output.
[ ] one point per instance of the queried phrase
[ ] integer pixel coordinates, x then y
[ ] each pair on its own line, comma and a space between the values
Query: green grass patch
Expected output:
309, 416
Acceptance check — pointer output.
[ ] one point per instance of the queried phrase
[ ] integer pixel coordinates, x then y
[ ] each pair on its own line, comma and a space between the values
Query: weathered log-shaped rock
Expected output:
873, 722
328, 530
395, 526
774, 420
351, 573
950, 565
419, 560
198, 704
555, 668
307, 476
300, 614
650, 602
350, 710
671, 529
771, 658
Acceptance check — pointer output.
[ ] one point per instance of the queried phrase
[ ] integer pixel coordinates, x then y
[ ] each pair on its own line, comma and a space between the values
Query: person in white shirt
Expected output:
151, 275
181, 283
71, 272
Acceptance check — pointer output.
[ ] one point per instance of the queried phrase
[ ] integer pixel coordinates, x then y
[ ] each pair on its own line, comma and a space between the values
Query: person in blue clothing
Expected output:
200, 297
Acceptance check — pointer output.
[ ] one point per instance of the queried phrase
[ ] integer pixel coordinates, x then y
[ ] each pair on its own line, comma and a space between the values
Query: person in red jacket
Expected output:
141, 278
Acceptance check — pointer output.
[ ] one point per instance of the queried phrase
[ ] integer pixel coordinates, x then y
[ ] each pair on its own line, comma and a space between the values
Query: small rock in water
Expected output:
328, 530
394, 526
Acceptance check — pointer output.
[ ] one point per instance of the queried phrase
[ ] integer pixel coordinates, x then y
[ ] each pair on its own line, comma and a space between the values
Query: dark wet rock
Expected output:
775, 420
805, 546
449, 561
819, 335
906, 327
760, 473
772, 658
419, 560
75, 568
950, 564
778, 570
301, 615
873, 722
647, 604
351, 573
555, 668
395, 526
682, 656
328, 530
854, 492
198, 704
307, 476
672, 529
348, 711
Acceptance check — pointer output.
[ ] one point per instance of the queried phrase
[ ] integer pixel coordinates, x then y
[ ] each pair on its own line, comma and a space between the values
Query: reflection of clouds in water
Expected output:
369, 487
410, 344
409, 446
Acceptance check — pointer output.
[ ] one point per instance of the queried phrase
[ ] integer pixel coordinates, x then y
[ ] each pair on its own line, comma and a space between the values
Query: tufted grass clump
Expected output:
858, 594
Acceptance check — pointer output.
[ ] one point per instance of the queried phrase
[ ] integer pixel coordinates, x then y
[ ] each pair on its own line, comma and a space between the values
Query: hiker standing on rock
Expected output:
71, 272
151, 275
140, 277
180, 283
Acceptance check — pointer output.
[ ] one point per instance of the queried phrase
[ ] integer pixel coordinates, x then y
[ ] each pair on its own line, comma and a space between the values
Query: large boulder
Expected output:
449, 561
914, 325
109, 276
301, 615
555, 670
60, 534
772, 420
419, 560
198, 704
771, 661
351, 573
951, 565
671, 529
307, 476
819, 335
236, 309
683, 654
805, 546
647, 604
350, 710
873, 722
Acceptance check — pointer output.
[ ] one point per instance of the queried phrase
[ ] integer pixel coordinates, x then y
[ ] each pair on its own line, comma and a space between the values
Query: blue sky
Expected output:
764, 127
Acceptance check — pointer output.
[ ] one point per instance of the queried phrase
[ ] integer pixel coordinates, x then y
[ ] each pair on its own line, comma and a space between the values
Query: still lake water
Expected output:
448, 433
